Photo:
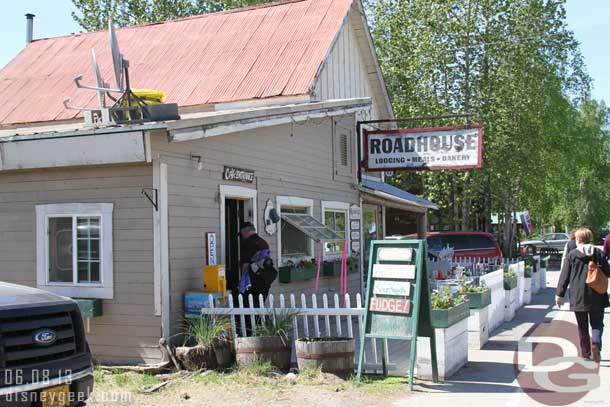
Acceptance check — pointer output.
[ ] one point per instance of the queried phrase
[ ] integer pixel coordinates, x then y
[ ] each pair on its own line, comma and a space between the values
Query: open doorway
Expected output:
234, 216
238, 205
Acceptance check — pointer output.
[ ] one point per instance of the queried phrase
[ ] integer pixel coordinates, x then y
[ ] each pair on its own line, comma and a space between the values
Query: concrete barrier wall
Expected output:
495, 313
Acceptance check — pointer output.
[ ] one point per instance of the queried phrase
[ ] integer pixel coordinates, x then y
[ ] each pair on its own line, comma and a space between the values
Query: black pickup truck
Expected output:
44, 356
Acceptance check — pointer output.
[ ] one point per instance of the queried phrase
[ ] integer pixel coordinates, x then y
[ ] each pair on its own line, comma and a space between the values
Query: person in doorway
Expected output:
588, 305
256, 265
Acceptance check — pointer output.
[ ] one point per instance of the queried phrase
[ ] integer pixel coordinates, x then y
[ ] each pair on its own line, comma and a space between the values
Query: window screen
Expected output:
60, 250
310, 226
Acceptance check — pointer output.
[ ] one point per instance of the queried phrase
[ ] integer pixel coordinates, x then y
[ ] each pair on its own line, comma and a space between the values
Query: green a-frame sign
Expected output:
398, 299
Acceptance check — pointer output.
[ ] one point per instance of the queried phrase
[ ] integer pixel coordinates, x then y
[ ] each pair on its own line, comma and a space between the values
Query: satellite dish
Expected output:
117, 58
99, 82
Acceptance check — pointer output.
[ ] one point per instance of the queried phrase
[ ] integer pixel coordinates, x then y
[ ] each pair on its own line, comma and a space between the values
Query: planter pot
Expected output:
330, 356
197, 357
266, 348
510, 283
479, 300
291, 273
478, 328
444, 318
451, 351
223, 354
332, 268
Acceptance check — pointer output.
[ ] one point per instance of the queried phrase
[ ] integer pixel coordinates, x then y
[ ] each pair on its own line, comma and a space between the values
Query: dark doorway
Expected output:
234, 215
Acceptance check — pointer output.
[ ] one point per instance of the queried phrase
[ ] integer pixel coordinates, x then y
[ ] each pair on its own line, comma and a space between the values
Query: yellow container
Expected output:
214, 279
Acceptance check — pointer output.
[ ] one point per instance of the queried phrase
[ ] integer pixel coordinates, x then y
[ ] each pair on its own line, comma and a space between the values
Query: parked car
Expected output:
44, 356
552, 241
464, 244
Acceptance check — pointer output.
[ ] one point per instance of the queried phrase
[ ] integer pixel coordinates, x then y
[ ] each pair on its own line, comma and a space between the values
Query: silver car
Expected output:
549, 241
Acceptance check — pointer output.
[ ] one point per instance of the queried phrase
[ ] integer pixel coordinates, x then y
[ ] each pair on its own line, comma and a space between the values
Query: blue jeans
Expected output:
596, 319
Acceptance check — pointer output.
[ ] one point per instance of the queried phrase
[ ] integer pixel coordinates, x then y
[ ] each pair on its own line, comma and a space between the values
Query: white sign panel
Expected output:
394, 271
354, 212
355, 225
210, 238
382, 287
424, 149
395, 254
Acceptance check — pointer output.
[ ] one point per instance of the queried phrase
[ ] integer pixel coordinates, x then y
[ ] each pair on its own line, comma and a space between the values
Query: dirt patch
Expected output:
244, 389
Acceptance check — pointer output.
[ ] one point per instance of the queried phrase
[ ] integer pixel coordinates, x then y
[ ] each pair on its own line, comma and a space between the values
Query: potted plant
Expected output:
447, 308
528, 270
269, 342
478, 296
449, 317
510, 279
302, 270
329, 354
206, 343
331, 268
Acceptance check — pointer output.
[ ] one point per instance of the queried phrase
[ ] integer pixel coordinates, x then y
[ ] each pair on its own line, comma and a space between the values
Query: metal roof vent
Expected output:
29, 28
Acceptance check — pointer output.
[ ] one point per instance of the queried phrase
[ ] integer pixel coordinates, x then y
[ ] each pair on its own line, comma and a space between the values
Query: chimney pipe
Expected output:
29, 27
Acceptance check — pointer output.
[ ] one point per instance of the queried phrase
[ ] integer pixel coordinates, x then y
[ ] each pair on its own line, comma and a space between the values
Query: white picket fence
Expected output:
335, 316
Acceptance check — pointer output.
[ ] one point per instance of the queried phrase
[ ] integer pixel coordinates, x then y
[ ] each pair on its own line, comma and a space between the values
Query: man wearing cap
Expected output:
256, 265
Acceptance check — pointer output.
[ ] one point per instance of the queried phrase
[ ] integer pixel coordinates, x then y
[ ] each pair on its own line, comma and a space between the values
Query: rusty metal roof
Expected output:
258, 52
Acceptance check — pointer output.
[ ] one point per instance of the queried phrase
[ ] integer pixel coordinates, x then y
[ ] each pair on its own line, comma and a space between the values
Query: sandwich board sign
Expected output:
398, 299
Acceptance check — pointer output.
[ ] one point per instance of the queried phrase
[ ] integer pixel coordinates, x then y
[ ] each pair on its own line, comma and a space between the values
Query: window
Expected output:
295, 244
74, 249
335, 220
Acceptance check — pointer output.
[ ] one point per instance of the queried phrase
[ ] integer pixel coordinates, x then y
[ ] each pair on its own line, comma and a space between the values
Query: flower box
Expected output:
331, 268
291, 273
510, 283
528, 271
479, 300
444, 318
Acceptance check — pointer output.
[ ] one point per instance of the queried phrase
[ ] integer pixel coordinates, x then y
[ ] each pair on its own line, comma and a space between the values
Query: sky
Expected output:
589, 19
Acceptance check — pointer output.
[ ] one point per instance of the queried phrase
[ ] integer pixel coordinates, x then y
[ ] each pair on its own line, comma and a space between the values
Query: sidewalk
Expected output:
489, 377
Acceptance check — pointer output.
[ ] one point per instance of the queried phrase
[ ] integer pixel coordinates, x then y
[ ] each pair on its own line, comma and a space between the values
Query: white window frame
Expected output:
102, 290
335, 206
292, 202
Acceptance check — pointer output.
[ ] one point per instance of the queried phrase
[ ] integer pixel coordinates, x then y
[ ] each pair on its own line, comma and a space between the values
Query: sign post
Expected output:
398, 299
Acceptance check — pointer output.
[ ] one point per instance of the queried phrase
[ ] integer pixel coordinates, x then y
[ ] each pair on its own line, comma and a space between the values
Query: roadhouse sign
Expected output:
441, 148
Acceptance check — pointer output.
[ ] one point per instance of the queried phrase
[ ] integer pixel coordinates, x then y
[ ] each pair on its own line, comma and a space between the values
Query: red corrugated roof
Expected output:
259, 52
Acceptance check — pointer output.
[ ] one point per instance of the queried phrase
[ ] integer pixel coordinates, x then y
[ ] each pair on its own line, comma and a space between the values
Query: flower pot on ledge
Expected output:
290, 273
444, 318
479, 300
510, 283
331, 268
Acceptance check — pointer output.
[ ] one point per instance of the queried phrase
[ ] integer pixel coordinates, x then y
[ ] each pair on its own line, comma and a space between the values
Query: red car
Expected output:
465, 244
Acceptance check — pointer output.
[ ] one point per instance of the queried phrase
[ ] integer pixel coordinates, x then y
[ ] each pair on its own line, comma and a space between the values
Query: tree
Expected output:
516, 66
93, 15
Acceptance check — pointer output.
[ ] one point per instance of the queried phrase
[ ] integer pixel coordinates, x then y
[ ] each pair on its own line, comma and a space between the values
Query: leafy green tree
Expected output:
93, 15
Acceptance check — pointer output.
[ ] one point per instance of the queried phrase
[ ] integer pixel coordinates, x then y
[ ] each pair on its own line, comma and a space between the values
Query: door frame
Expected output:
235, 192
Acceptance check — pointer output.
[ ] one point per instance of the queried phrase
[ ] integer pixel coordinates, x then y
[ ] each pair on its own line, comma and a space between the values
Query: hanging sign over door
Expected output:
440, 148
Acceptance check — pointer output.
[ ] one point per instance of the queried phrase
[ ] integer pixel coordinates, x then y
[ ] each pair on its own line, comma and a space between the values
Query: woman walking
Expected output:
588, 305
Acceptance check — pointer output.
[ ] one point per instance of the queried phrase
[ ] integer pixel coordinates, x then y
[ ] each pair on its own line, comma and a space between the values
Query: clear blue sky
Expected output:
589, 19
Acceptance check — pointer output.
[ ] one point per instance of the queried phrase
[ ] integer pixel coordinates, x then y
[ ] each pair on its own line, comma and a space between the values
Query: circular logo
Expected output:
45, 337
548, 366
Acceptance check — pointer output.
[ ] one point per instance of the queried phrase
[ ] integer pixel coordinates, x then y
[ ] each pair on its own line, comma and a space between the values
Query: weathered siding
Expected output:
350, 71
289, 160
128, 331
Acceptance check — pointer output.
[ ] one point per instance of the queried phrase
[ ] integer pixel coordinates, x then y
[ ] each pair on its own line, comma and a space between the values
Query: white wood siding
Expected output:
289, 160
128, 331
349, 71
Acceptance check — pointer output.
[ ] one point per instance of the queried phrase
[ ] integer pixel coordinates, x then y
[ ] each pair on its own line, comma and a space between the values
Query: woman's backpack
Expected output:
596, 278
